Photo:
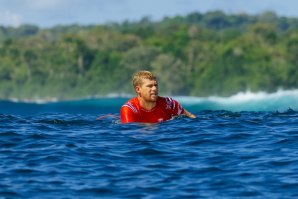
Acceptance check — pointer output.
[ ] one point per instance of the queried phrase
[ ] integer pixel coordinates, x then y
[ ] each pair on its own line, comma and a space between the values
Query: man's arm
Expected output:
180, 110
188, 114
126, 115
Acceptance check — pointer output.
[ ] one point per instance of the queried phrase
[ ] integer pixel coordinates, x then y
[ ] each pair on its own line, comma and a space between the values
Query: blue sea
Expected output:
242, 146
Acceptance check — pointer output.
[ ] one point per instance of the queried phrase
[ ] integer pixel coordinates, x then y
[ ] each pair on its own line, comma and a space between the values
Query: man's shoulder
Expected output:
171, 105
133, 100
168, 102
166, 99
131, 104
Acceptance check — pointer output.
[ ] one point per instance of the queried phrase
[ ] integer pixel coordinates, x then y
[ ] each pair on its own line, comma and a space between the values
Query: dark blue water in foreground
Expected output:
220, 154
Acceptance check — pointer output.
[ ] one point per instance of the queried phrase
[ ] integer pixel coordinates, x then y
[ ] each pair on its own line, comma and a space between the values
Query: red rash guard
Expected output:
165, 108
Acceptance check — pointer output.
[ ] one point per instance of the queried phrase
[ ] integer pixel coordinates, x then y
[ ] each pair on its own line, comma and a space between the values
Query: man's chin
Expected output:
154, 98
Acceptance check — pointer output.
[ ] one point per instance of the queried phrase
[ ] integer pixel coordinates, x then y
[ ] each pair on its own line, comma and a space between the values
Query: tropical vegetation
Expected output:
197, 54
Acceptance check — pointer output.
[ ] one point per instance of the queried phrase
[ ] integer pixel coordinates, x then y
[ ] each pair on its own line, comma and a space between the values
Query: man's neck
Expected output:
145, 104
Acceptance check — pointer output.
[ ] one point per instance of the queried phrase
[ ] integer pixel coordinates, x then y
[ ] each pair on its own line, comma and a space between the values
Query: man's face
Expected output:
148, 91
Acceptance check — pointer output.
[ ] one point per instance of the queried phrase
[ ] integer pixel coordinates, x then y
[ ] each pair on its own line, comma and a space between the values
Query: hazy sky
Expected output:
47, 13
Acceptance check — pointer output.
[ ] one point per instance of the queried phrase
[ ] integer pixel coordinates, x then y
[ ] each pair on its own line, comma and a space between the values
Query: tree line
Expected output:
197, 54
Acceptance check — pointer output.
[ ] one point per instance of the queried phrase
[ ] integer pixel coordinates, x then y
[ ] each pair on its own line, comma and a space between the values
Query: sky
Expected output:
49, 13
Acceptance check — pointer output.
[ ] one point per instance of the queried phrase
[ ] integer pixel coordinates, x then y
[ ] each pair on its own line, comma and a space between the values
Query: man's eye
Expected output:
150, 86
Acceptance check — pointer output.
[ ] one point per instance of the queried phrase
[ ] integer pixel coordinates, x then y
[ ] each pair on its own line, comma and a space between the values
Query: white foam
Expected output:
35, 100
242, 101
240, 97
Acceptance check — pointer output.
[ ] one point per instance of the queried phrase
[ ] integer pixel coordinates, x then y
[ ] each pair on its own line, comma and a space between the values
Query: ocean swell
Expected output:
244, 101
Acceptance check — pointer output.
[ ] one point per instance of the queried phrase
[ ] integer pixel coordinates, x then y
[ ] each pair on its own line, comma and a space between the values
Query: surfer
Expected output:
147, 106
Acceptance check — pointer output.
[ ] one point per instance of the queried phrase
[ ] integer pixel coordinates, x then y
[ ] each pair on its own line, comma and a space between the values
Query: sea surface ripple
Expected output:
220, 154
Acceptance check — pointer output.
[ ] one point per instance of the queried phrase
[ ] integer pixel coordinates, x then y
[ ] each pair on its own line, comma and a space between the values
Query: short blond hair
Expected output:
138, 77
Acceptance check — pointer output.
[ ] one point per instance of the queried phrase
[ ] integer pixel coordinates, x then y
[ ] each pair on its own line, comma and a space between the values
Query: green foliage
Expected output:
199, 54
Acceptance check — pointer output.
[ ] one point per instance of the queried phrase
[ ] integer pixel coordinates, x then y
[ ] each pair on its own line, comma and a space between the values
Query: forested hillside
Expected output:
197, 54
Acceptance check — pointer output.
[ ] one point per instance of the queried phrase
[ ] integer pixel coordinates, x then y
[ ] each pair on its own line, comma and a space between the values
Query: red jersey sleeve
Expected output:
178, 109
174, 107
126, 115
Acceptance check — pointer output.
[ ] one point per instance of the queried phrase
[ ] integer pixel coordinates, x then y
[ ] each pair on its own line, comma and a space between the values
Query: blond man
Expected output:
147, 106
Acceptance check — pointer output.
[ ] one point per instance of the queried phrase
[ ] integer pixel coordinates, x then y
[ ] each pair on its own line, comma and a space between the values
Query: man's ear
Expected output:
137, 88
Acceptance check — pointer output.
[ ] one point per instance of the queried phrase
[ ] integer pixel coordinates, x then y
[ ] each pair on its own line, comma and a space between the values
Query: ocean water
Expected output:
243, 146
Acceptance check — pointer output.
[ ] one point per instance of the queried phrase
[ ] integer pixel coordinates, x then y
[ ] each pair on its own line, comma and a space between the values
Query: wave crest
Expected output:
281, 100
245, 101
